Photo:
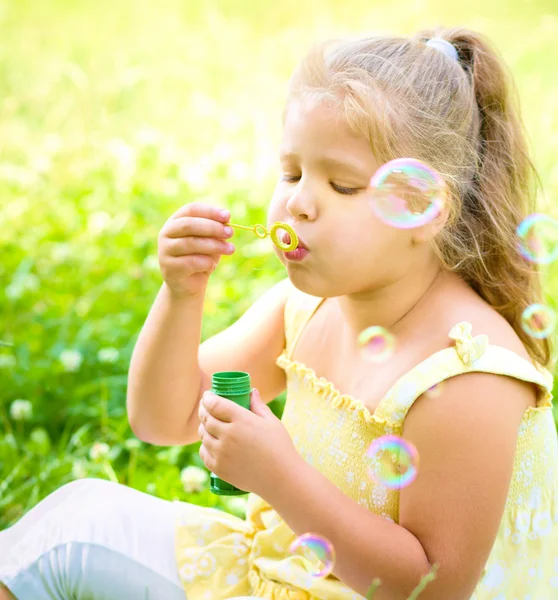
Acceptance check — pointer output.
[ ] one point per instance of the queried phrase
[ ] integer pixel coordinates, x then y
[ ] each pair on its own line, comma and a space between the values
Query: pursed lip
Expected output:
286, 239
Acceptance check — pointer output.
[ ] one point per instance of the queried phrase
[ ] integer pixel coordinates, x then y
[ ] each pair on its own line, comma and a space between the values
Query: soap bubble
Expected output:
393, 461
407, 193
538, 321
538, 238
314, 545
377, 343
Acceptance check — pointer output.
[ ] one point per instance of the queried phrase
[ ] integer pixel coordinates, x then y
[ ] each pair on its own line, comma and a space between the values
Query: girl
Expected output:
484, 507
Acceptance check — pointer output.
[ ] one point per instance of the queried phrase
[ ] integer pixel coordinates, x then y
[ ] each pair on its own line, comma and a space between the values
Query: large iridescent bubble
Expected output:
537, 238
407, 193
393, 461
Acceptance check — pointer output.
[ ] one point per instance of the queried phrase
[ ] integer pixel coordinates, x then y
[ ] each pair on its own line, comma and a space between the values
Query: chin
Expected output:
312, 285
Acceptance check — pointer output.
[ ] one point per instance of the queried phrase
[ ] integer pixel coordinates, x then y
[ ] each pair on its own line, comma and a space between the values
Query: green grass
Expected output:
113, 115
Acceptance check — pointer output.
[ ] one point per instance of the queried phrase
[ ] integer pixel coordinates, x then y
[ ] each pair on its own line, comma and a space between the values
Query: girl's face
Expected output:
323, 194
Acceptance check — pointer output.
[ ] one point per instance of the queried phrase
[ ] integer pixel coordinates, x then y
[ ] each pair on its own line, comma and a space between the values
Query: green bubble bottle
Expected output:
235, 386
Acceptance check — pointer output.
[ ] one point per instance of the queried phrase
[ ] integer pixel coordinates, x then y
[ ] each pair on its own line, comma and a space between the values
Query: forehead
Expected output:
317, 129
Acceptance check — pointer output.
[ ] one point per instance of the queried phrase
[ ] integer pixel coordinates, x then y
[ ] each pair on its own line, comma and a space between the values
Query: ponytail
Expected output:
500, 195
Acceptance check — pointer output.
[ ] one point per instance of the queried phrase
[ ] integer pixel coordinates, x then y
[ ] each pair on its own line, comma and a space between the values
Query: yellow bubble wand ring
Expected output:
262, 233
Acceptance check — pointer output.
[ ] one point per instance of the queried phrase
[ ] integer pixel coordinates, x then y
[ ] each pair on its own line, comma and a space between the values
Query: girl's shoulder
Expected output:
467, 306
463, 333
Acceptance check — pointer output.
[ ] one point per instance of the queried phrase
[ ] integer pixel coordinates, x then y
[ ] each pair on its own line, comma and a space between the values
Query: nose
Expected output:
301, 205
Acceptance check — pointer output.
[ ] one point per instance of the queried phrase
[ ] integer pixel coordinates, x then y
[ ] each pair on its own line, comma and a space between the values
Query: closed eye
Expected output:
338, 188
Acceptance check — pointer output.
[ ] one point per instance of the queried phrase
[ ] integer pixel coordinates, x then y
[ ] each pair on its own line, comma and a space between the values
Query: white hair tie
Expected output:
444, 47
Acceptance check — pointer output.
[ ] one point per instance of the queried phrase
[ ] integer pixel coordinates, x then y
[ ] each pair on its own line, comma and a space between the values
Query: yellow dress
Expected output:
221, 556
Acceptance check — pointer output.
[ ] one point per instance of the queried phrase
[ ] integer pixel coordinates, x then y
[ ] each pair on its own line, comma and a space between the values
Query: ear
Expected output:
423, 234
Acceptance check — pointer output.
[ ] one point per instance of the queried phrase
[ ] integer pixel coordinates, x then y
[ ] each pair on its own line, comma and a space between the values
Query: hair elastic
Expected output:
444, 47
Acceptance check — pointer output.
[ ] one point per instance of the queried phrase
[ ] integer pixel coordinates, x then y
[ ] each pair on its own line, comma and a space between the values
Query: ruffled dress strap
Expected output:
469, 354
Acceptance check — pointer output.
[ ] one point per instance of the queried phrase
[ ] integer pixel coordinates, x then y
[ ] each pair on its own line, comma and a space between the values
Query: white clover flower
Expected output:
107, 355
9, 440
40, 439
21, 410
193, 479
71, 359
132, 444
99, 451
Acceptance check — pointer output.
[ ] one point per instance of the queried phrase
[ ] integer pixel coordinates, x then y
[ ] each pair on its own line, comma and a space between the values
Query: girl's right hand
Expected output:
191, 244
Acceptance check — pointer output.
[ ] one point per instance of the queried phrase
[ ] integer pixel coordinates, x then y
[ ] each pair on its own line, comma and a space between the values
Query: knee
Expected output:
90, 493
80, 497
85, 486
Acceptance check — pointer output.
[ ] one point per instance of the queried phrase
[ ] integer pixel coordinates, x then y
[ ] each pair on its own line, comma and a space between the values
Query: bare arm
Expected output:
164, 378
169, 369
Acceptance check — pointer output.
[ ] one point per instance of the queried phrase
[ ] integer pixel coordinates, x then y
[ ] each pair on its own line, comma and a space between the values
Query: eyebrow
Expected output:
328, 161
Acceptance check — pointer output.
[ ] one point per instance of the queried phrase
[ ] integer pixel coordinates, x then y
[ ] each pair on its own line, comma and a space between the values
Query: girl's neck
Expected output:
395, 307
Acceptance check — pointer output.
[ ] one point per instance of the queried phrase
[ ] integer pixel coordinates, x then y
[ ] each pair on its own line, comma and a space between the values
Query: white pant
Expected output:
92, 540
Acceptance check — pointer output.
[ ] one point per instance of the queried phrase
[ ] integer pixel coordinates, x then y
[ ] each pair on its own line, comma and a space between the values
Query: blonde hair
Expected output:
462, 118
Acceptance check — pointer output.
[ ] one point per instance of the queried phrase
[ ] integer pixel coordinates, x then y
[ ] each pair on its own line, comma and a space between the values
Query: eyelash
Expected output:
339, 189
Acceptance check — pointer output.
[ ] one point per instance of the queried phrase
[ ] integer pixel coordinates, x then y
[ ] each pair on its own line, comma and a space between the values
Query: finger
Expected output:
214, 427
201, 209
202, 413
209, 441
196, 226
207, 458
209, 424
220, 408
197, 263
198, 245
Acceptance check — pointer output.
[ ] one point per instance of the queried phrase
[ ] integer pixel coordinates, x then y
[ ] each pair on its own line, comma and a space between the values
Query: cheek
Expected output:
365, 241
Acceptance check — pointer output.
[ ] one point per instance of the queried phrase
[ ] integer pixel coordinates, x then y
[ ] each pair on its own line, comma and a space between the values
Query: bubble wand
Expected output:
262, 233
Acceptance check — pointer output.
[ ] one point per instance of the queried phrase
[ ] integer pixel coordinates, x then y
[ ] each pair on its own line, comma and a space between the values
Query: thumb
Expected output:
258, 406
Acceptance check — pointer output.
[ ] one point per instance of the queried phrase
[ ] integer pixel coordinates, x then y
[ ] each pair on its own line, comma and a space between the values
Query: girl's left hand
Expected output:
246, 448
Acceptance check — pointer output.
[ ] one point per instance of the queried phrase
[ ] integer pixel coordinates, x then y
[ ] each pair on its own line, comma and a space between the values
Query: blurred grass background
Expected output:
112, 116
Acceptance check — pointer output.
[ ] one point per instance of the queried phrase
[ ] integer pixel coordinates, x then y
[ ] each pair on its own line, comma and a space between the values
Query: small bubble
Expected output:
377, 343
314, 546
538, 238
538, 321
